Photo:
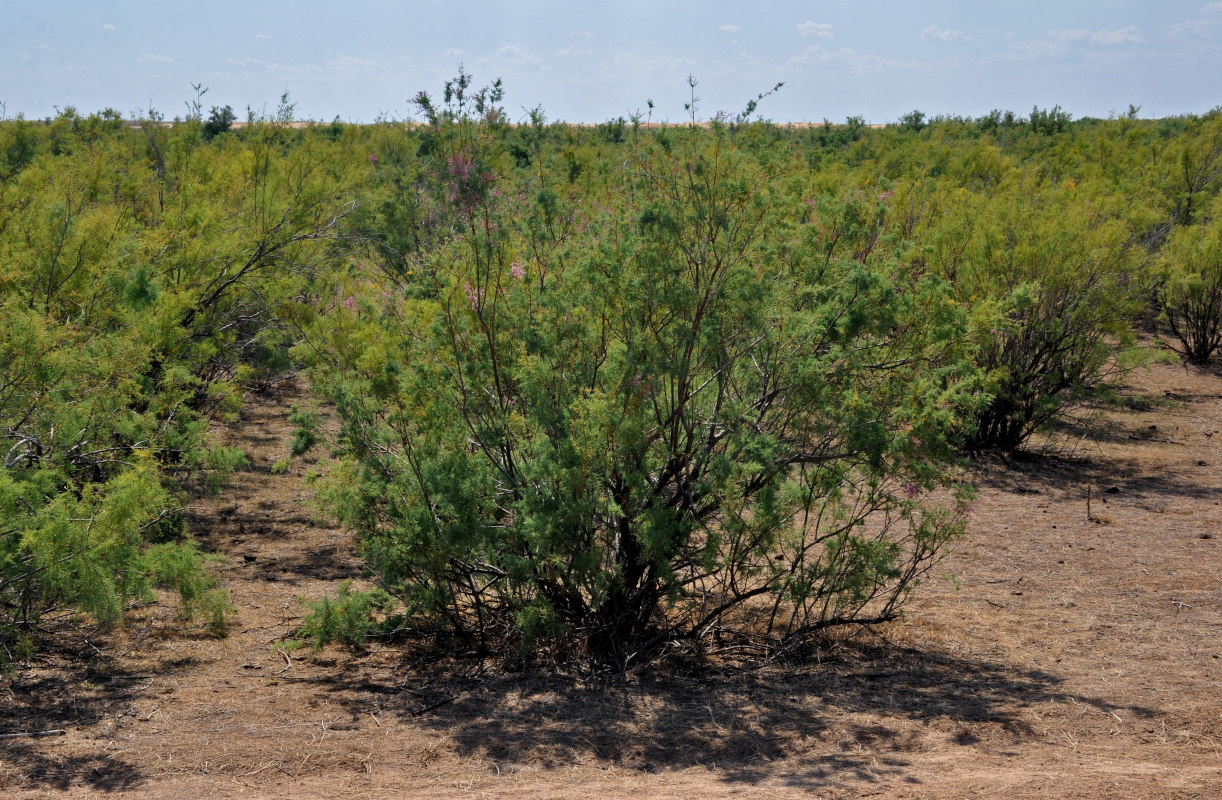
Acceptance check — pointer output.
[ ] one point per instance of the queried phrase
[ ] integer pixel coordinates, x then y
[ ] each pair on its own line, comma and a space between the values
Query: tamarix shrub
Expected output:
1054, 278
676, 415
1190, 295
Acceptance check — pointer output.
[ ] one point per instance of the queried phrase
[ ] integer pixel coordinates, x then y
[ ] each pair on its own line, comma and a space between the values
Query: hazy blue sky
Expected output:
591, 61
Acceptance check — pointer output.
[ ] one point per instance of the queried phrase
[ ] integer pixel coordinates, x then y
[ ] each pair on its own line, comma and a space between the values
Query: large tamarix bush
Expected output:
673, 413
1054, 280
1190, 296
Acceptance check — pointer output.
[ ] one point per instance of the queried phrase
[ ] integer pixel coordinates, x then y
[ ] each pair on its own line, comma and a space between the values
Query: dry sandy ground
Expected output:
1078, 658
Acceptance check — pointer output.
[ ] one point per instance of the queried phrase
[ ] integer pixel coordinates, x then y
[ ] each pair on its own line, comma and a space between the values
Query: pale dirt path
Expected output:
1065, 666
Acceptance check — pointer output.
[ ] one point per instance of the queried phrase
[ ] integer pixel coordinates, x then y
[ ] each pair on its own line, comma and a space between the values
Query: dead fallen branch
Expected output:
431, 706
25, 734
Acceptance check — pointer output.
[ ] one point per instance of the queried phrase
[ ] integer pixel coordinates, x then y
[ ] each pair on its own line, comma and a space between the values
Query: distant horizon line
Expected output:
137, 123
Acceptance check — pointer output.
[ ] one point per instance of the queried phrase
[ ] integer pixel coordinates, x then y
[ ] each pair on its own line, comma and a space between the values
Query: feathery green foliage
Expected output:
141, 275
677, 409
1191, 295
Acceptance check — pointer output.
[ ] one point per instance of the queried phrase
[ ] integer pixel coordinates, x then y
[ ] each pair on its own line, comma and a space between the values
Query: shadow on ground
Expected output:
739, 722
90, 696
1044, 473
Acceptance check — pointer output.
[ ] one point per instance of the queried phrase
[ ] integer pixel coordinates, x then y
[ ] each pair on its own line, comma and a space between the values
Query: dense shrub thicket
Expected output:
141, 275
605, 390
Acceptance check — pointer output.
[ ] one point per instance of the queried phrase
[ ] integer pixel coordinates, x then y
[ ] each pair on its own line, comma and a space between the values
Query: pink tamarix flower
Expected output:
517, 270
373, 159
350, 303
459, 166
472, 294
